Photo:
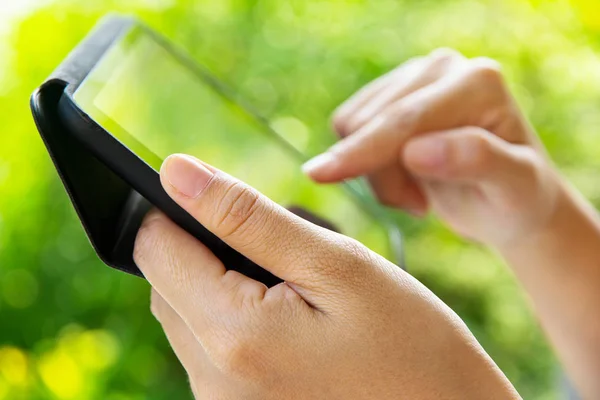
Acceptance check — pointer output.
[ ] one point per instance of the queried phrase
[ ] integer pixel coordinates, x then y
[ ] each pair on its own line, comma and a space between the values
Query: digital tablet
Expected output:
139, 99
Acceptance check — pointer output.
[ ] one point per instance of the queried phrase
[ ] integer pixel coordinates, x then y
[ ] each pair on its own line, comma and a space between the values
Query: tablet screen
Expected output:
157, 102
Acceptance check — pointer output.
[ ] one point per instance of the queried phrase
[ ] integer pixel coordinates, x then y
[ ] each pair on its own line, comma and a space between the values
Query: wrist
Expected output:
572, 218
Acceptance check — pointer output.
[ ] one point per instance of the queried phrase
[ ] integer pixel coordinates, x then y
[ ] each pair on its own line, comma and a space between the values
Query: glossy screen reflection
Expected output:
156, 104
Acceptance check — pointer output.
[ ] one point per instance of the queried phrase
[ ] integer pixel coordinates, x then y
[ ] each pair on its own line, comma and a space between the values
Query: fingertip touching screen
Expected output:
157, 102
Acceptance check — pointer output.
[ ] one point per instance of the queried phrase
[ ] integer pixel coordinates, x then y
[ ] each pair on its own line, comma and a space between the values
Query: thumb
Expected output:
469, 155
249, 222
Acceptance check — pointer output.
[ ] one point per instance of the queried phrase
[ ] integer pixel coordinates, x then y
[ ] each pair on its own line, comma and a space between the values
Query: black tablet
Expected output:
125, 99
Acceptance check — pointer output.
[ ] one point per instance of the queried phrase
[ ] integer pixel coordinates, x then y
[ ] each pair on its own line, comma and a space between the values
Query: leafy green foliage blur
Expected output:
70, 328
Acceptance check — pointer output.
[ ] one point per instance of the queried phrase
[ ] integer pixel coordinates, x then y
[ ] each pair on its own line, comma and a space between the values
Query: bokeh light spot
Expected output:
97, 349
13, 366
61, 374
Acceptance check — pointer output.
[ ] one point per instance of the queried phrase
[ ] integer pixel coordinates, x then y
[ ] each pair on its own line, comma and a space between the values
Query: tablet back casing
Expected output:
98, 195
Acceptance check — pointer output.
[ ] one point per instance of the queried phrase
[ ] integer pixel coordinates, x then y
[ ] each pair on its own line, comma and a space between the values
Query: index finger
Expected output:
445, 104
183, 270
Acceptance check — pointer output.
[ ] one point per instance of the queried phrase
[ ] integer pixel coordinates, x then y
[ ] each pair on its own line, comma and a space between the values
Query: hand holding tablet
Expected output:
345, 324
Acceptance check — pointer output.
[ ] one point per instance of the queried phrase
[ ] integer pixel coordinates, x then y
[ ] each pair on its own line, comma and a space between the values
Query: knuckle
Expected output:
487, 71
532, 165
243, 292
340, 123
443, 55
479, 149
236, 209
345, 261
471, 152
439, 62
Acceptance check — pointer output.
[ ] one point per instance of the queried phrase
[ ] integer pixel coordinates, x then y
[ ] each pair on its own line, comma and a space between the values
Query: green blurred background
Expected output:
70, 328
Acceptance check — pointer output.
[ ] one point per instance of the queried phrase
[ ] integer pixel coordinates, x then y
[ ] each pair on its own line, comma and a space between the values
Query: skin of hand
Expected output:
443, 132
345, 324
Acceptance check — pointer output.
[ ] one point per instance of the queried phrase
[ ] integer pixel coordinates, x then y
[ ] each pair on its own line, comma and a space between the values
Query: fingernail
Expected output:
430, 152
186, 175
319, 163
